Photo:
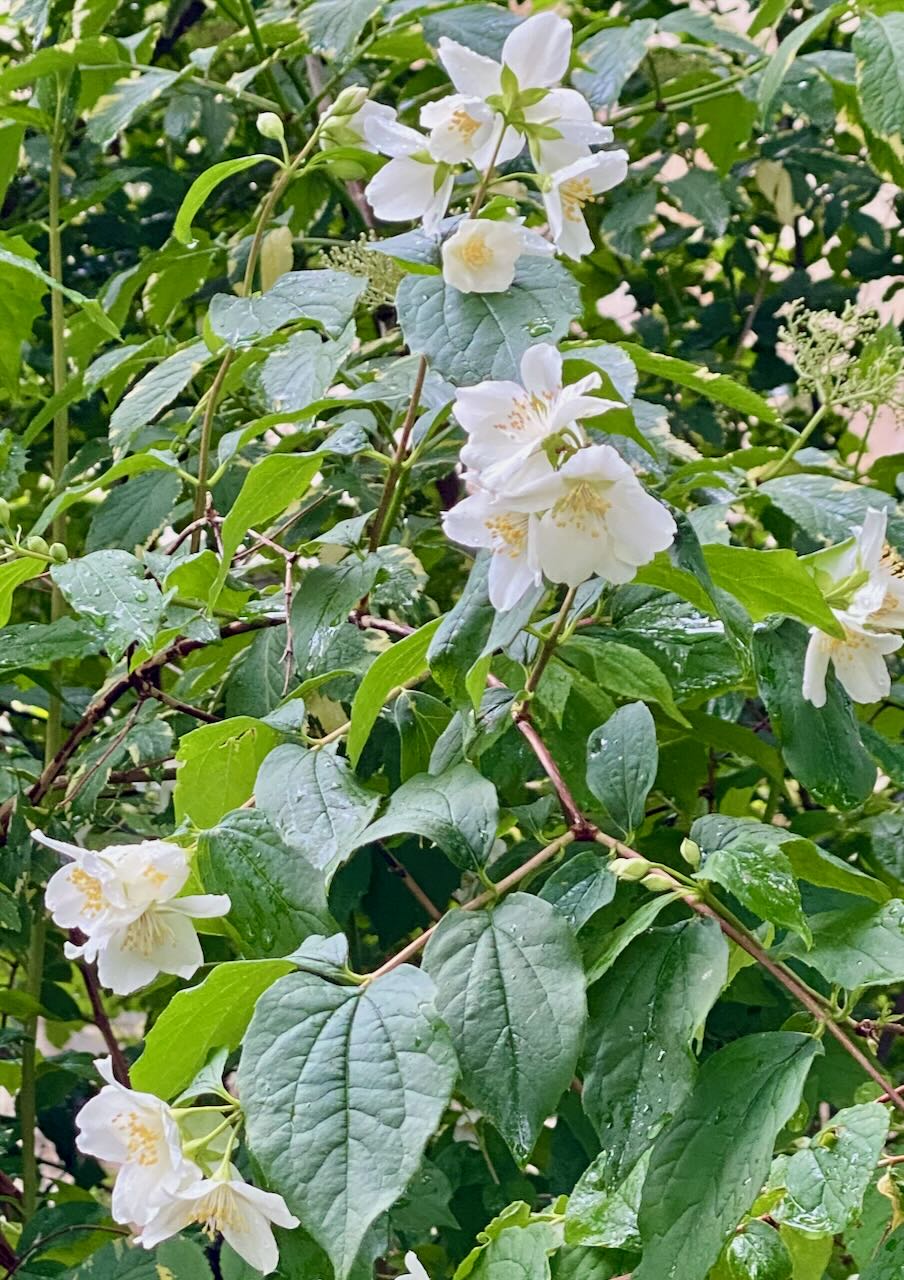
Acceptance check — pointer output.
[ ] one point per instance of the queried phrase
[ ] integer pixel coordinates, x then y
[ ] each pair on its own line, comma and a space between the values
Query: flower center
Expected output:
529, 411
216, 1210
147, 933
574, 194
582, 507
141, 1139
892, 561
475, 252
91, 890
510, 532
155, 876
463, 124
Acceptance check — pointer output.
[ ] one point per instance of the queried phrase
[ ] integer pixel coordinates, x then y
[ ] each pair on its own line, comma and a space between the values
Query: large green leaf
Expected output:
333, 26
821, 745
622, 758
768, 582
462, 635
278, 898
211, 1015
133, 512
12, 575
762, 878
456, 809
157, 389
327, 298
342, 1088
623, 670
878, 45
856, 946
39, 645
202, 186
757, 1252
703, 381
510, 986
581, 886
390, 670
111, 589
315, 802
639, 1064
322, 604
825, 507
127, 99
772, 77
888, 1260
471, 336
216, 767
710, 1162
612, 56
825, 1182
177, 1259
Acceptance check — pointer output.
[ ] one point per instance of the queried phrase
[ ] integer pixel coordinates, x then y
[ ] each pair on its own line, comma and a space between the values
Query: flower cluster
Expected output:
124, 900
161, 1189
498, 109
544, 499
866, 579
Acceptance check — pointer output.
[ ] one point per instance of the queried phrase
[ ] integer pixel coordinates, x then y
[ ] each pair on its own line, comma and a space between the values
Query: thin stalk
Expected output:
398, 461
251, 24
485, 180
778, 467
550, 643
686, 98
60, 418
28, 1116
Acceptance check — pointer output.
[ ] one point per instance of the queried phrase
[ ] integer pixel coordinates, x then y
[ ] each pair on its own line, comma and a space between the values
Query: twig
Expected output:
549, 644
99, 763
177, 704
402, 873
395, 470
102, 1022
288, 653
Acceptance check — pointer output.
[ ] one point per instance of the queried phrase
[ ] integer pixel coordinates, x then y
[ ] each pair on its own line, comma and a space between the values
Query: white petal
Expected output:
573, 238
391, 138
470, 72
481, 256
512, 144
541, 369
599, 462
466, 522
460, 126
816, 666
253, 1240
415, 1267
862, 672
201, 906
402, 190
58, 846
565, 556
871, 539
268, 1203
509, 580
121, 969
539, 50
436, 209
486, 405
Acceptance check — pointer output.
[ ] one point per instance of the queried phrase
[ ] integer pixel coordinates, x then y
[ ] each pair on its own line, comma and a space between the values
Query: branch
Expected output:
102, 1022
398, 459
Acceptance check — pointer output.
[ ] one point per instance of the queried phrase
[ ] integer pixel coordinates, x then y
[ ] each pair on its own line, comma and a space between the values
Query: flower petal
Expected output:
470, 72
539, 50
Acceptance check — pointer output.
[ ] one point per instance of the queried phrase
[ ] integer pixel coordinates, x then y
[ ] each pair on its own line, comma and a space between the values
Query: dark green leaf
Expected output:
622, 759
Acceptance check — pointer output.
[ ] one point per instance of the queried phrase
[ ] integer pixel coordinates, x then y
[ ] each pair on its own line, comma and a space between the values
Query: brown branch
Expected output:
102, 1022
178, 705
402, 873
398, 459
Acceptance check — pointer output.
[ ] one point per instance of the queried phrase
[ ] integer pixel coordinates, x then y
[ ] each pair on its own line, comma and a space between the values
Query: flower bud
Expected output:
690, 852
37, 545
629, 868
348, 102
657, 883
270, 126
58, 553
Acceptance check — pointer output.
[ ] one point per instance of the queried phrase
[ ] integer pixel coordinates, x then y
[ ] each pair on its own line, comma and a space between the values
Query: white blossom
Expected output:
243, 1214
537, 51
461, 128
123, 898
485, 520
413, 184
415, 1268
508, 422
562, 129
569, 189
137, 1132
352, 130
482, 254
858, 659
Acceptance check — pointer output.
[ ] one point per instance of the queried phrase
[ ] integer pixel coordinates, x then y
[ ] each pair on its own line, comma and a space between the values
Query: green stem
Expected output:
778, 467
251, 24
687, 98
549, 644
392, 489
28, 1117
60, 418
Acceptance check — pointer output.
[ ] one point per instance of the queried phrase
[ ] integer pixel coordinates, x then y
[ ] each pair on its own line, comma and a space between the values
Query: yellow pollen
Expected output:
147, 933
475, 252
141, 1140
216, 1210
526, 410
574, 194
511, 532
156, 877
582, 508
91, 890
892, 562
464, 124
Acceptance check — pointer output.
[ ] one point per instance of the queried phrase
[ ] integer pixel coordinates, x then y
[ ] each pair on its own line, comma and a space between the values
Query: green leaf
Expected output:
878, 46
270, 487
371, 1070
762, 879
315, 802
134, 511
510, 986
769, 582
757, 1252
157, 389
700, 193
622, 759
456, 810
462, 636
201, 188
322, 603
772, 77
601, 959
826, 508
334, 26
467, 337
39, 645
12, 575
711, 1160
613, 55
768, 14
128, 98
580, 887
112, 589
825, 1182
90, 306
208, 1016
391, 669
21, 302
856, 947
702, 381
482, 27
278, 899
888, 1261
821, 745
303, 369
327, 298
177, 1259
216, 765
639, 1064
602, 1212
623, 670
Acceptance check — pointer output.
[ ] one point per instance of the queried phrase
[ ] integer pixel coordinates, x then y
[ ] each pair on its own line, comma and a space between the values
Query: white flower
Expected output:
137, 1132
858, 659
484, 520
537, 51
482, 254
415, 1267
561, 128
508, 422
571, 188
461, 128
597, 519
123, 898
412, 185
356, 125
242, 1213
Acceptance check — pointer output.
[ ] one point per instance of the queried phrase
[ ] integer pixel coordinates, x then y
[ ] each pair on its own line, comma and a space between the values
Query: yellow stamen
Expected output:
142, 1142
574, 194
216, 1210
511, 531
582, 508
156, 877
91, 889
147, 933
475, 252
464, 124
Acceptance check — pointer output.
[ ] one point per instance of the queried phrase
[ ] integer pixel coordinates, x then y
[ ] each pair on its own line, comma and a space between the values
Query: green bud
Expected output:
691, 854
657, 883
339, 133
37, 545
58, 553
270, 126
629, 868
348, 102
4, 511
